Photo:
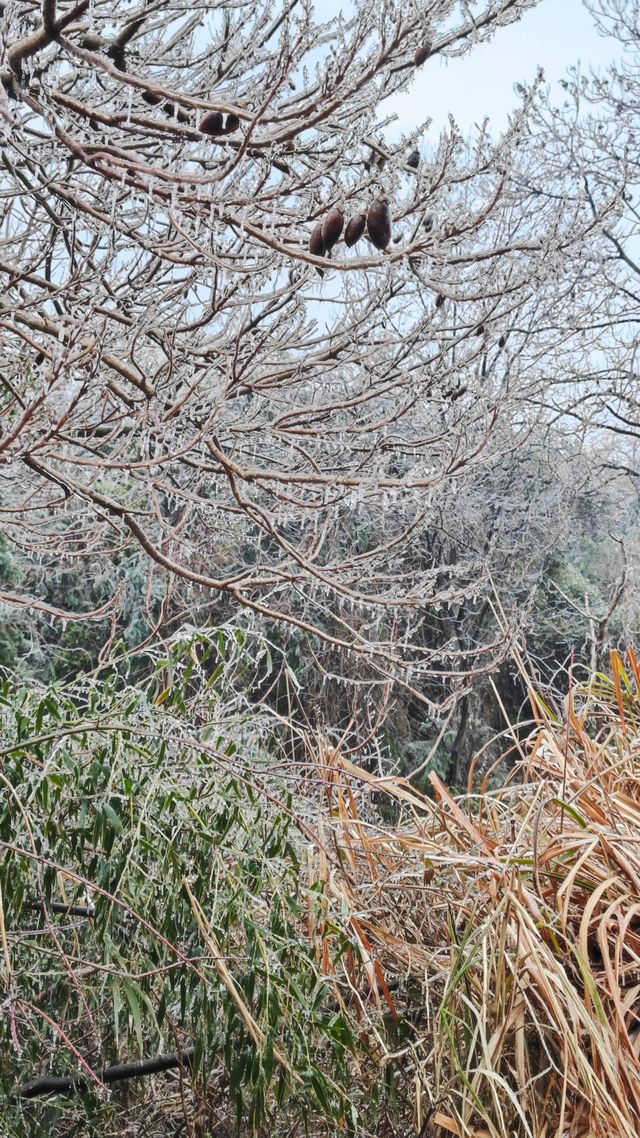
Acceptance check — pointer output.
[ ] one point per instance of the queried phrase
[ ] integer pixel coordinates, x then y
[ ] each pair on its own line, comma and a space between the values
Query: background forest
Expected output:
319, 469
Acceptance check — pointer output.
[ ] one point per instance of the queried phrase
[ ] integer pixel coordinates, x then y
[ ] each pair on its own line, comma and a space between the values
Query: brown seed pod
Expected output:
169, 109
439, 300
379, 222
422, 53
152, 100
117, 55
502, 341
211, 123
316, 244
8, 82
332, 228
231, 123
428, 222
355, 228
414, 159
480, 330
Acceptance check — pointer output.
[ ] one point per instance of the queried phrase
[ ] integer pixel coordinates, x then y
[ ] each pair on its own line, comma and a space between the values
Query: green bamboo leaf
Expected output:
134, 1005
111, 817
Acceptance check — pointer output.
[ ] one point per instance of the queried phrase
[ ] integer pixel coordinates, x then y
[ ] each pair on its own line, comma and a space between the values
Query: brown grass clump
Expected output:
516, 914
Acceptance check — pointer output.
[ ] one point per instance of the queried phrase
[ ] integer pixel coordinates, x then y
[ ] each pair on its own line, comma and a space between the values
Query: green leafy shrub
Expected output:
198, 914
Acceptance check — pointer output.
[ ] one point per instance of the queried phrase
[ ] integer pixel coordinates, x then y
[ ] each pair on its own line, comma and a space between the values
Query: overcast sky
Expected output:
554, 35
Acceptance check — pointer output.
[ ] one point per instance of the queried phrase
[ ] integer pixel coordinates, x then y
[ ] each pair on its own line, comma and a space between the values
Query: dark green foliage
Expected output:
208, 912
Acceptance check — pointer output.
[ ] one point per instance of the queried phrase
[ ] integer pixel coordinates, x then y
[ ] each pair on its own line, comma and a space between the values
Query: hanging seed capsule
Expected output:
439, 300
502, 341
355, 228
117, 54
428, 222
316, 244
379, 222
211, 123
422, 53
170, 111
332, 228
231, 123
10, 89
479, 330
414, 159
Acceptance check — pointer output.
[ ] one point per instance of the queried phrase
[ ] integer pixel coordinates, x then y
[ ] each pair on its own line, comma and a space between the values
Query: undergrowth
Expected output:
470, 968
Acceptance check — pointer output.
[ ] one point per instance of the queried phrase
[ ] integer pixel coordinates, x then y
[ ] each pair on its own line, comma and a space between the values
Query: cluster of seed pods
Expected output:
325, 234
377, 221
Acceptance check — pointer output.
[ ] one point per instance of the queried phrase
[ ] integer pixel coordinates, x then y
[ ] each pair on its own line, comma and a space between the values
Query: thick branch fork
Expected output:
47, 34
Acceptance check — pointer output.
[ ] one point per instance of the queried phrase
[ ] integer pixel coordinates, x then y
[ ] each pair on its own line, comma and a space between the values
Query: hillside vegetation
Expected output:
470, 967
319, 548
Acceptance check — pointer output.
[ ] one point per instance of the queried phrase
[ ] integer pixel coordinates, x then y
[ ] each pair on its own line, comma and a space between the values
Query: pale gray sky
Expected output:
554, 35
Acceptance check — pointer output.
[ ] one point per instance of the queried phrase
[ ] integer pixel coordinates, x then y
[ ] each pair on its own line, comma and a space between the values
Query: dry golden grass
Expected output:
516, 914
